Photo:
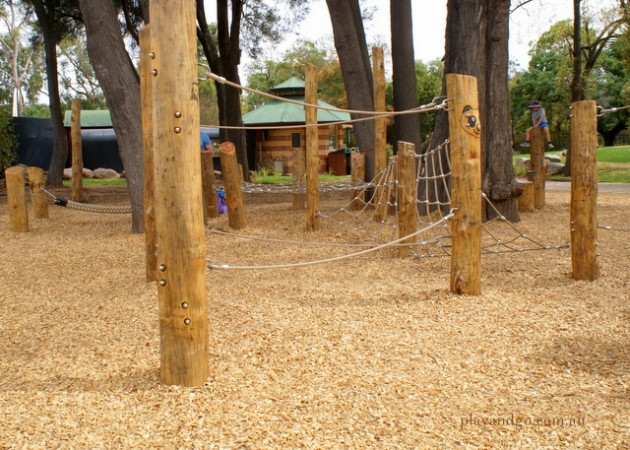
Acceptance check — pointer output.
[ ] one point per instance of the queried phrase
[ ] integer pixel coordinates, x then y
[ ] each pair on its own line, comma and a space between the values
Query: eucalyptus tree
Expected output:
56, 19
120, 83
242, 25
19, 61
349, 36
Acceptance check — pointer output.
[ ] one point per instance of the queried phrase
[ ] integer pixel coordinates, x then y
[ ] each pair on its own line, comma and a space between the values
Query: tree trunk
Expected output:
499, 182
54, 177
120, 83
349, 35
406, 126
610, 135
464, 41
577, 84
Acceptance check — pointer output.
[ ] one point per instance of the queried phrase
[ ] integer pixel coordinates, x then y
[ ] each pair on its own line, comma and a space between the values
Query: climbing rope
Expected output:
104, 209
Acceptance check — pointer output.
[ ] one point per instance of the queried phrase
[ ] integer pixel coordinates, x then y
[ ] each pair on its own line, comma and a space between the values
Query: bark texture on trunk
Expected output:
120, 83
406, 126
353, 53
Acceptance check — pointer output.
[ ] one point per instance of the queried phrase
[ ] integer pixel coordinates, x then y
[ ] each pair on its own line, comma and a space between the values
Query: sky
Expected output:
429, 22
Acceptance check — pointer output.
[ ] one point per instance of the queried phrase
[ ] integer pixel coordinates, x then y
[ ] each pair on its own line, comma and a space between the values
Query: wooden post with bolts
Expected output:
16, 199
464, 134
537, 165
407, 195
232, 176
36, 180
584, 191
146, 99
183, 304
312, 153
77, 151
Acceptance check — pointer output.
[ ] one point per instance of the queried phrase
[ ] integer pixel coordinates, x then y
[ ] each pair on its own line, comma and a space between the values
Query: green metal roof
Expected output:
278, 112
99, 118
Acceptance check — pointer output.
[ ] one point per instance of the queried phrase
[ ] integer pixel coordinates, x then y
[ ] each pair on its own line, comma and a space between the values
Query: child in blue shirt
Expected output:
539, 119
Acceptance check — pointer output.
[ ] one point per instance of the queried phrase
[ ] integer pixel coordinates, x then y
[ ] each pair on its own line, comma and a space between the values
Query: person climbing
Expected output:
539, 119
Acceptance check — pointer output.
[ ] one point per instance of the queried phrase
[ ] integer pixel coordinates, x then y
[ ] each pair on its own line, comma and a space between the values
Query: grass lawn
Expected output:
99, 182
613, 164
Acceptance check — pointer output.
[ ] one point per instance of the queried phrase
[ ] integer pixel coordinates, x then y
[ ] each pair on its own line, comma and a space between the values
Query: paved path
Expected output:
622, 188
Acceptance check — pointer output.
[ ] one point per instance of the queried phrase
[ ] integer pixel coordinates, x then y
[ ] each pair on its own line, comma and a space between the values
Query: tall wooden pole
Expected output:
146, 97
77, 151
232, 176
380, 132
180, 241
16, 199
584, 191
36, 180
407, 195
312, 153
464, 135
537, 165
380, 123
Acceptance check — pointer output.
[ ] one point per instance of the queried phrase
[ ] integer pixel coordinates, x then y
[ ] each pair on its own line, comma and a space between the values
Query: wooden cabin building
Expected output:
274, 146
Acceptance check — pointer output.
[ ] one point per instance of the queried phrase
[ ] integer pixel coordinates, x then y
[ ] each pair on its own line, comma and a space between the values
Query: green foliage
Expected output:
268, 73
8, 142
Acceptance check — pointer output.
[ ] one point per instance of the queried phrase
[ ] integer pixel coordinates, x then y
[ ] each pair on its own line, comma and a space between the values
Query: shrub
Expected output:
8, 142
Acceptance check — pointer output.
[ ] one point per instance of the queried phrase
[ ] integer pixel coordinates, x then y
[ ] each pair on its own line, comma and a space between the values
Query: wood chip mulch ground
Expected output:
368, 352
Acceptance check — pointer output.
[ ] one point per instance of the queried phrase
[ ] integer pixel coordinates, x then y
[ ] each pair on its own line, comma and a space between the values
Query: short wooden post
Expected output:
584, 191
407, 195
16, 199
312, 153
77, 151
210, 204
357, 161
183, 303
232, 182
537, 165
36, 180
146, 98
380, 132
297, 174
526, 200
464, 134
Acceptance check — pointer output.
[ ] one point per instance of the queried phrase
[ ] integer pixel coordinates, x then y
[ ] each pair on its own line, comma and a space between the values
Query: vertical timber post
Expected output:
146, 99
380, 132
537, 165
464, 135
407, 195
36, 180
210, 203
16, 199
232, 176
297, 174
312, 150
77, 151
357, 163
183, 305
584, 191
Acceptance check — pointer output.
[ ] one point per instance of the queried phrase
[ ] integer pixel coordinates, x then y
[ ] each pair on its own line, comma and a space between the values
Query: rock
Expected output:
67, 173
554, 168
105, 173
87, 173
553, 158
521, 163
